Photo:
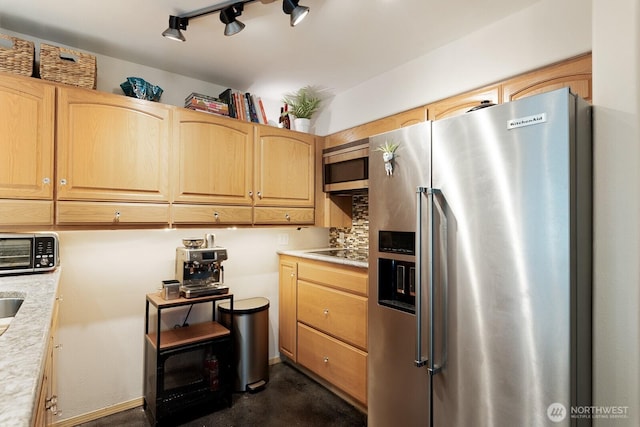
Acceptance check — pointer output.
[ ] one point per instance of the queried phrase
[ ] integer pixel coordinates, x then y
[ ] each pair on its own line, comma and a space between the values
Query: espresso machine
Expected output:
199, 269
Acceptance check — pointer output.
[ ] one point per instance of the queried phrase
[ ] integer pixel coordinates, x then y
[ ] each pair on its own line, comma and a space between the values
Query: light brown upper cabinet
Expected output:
462, 103
213, 159
284, 173
26, 138
113, 153
396, 121
111, 147
26, 147
574, 73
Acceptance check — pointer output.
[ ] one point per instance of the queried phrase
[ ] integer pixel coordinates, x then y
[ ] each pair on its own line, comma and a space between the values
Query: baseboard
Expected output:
92, 416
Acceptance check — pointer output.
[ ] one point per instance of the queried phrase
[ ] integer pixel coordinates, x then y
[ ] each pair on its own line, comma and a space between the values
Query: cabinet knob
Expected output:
250, 193
293, 275
216, 216
46, 181
116, 216
259, 195
63, 181
325, 360
326, 311
287, 217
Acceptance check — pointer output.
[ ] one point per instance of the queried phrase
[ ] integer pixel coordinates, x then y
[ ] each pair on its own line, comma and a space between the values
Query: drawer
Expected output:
339, 314
111, 213
342, 365
26, 212
211, 214
346, 278
284, 216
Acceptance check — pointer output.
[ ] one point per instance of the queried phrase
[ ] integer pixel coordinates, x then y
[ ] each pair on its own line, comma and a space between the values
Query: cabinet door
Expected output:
287, 335
214, 159
575, 73
284, 168
111, 147
460, 104
26, 138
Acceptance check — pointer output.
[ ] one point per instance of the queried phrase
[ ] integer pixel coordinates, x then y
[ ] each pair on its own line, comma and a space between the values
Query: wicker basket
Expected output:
58, 64
19, 59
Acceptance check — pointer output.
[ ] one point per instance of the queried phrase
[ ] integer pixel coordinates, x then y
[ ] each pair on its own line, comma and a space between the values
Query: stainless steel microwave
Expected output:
28, 253
346, 167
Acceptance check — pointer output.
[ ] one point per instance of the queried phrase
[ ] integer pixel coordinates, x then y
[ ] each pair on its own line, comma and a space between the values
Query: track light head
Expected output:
228, 17
176, 24
298, 13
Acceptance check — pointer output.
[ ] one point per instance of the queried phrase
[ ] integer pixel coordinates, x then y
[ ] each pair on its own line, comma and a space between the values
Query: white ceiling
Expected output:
340, 44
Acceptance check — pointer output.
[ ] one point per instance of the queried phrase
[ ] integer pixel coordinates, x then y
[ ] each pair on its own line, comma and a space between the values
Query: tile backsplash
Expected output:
356, 236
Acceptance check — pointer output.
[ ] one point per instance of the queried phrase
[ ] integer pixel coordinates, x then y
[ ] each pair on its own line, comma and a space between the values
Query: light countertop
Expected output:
311, 254
23, 346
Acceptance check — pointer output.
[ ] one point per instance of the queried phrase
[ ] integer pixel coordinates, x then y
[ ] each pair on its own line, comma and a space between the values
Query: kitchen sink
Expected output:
8, 309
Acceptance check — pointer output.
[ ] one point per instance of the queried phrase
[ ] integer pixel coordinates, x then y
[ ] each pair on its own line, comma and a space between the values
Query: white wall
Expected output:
616, 97
105, 277
547, 32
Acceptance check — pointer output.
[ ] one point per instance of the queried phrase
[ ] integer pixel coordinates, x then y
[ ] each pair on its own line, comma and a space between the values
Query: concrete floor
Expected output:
289, 399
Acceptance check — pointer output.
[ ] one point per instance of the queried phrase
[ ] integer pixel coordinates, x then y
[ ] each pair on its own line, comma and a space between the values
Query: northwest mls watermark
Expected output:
557, 412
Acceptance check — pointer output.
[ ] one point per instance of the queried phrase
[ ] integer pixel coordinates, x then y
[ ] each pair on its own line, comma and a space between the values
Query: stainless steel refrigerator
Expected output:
480, 268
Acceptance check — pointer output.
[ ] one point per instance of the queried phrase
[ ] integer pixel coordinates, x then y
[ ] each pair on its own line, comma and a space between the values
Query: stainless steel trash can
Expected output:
251, 347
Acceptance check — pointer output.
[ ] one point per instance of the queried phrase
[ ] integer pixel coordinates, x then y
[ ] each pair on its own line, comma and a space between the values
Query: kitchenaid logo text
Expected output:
527, 121
557, 412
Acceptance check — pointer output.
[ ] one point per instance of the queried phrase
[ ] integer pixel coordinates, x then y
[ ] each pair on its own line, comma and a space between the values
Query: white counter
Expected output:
23, 346
310, 254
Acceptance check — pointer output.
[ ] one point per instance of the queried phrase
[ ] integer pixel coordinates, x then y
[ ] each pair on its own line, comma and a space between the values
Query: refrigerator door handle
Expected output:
432, 367
419, 360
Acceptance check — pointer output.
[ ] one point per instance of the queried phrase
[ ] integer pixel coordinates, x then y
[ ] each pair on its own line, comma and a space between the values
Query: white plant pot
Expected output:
302, 125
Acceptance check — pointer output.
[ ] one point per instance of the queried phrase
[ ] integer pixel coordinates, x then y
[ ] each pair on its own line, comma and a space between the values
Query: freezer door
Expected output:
398, 392
504, 330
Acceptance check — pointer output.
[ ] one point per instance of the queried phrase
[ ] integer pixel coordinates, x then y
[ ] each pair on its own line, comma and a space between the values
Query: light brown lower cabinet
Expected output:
326, 303
46, 404
341, 364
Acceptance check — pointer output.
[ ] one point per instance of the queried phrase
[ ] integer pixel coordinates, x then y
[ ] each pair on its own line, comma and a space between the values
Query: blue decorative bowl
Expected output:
141, 89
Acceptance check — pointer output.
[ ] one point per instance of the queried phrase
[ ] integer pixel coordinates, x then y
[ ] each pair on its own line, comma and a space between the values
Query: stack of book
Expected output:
206, 103
244, 106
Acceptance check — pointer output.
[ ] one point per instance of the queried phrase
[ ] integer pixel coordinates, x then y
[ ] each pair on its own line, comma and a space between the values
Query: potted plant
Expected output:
302, 104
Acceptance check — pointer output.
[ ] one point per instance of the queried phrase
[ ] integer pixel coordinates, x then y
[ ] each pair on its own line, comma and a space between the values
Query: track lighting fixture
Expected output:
298, 13
228, 17
229, 11
175, 25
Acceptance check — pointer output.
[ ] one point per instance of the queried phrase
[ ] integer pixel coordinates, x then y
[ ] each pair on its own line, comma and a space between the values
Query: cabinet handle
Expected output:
63, 181
325, 359
250, 193
46, 181
51, 404
326, 311
116, 216
287, 216
259, 195
216, 216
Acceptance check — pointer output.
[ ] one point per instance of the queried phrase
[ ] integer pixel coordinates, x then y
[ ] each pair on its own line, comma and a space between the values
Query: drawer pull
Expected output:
116, 216
326, 312
287, 217
325, 360
216, 216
